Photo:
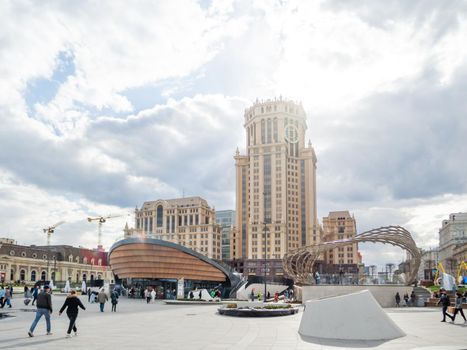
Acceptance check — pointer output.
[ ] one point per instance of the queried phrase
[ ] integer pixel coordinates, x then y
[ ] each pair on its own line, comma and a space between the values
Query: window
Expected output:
23, 254
43, 275
33, 276
263, 131
34, 255
22, 275
160, 211
12, 252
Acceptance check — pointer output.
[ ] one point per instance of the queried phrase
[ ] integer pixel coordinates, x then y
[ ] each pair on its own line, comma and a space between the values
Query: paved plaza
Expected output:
160, 326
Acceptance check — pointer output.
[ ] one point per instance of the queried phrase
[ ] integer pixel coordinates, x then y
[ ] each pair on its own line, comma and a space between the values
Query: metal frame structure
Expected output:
298, 264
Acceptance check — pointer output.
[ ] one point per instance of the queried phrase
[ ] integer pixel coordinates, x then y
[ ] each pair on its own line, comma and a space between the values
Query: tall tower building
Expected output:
275, 183
336, 226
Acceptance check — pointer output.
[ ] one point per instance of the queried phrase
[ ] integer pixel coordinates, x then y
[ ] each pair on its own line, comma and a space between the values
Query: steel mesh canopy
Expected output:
298, 264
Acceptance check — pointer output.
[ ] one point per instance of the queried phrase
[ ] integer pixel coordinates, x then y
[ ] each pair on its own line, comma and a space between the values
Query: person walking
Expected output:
444, 300
406, 299
102, 298
458, 308
153, 295
35, 293
7, 298
71, 305
413, 299
44, 308
2, 296
114, 300
89, 294
147, 294
398, 299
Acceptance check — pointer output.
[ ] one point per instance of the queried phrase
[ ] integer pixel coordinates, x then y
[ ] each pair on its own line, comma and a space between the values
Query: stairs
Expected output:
432, 302
422, 295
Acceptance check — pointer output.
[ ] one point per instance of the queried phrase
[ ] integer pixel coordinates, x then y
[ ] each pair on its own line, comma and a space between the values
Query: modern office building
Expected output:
61, 263
187, 221
336, 226
226, 219
275, 183
453, 242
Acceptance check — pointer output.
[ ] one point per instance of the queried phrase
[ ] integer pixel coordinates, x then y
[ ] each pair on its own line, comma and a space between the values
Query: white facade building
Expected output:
453, 239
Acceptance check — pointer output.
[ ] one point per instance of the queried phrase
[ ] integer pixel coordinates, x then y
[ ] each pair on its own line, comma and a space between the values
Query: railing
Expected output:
354, 279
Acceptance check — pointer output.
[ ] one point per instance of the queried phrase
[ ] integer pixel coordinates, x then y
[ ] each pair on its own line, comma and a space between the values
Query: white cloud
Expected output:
27, 209
383, 85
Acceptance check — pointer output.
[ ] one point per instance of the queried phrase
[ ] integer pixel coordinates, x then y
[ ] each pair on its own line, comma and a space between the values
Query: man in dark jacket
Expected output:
44, 308
71, 304
444, 300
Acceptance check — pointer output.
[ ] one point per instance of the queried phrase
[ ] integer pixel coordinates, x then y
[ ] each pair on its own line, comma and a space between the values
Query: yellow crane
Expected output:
51, 229
438, 268
462, 265
100, 221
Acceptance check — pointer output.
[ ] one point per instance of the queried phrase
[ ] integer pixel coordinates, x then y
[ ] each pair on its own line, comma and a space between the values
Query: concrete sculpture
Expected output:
355, 316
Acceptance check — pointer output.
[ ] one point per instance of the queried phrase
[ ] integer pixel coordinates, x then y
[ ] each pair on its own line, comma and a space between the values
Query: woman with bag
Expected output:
458, 308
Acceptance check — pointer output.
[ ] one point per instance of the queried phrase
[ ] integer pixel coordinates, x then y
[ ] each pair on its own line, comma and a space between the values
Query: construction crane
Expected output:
100, 220
51, 229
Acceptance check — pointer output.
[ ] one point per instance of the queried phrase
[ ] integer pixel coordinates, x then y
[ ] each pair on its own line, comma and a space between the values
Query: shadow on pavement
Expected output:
29, 343
344, 343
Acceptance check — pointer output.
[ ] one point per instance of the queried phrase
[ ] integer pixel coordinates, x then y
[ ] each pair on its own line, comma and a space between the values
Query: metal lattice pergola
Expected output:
298, 264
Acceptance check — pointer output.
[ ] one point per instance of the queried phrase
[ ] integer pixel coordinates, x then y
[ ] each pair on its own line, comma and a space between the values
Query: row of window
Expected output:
34, 255
70, 258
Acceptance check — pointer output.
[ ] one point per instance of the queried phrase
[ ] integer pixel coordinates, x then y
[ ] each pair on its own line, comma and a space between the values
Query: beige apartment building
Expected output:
186, 221
336, 226
275, 183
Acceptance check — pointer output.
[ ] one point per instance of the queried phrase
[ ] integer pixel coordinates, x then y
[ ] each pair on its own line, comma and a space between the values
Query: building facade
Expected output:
189, 222
336, 226
226, 219
453, 242
275, 183
428, 264
30, 264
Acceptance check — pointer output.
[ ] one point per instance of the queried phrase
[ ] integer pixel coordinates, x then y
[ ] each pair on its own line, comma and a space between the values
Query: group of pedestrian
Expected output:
409, 301
72, 304
149, 294
445, 302
5, 296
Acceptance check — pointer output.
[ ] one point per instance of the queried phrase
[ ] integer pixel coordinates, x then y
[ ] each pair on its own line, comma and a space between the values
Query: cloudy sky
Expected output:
105, 105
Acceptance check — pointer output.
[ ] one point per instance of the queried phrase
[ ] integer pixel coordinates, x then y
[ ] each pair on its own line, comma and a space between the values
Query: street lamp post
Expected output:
265, 259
